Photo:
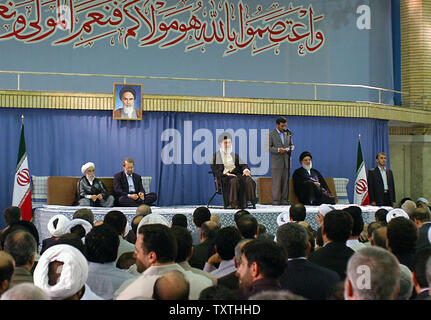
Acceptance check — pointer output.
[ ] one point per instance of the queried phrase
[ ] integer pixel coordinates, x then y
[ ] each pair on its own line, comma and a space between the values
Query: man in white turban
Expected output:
61, 273
91, 191
57, 227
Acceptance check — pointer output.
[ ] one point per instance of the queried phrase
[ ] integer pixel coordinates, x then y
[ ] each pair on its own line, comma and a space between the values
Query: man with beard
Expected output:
310, 186
234, 175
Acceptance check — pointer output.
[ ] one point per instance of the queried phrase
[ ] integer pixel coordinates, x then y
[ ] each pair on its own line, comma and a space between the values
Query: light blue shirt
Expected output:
130, 182
281, 136
384, 177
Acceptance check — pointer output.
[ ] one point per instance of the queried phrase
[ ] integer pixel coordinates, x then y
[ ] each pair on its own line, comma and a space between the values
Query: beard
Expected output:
308, 168
226, 150
89, 178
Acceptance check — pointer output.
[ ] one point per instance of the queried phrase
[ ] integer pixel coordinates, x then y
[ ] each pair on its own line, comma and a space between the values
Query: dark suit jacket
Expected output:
121, 186
230, 281
201, 253
375, 186
333, 256
423, 241
300, 176
257, 286
278, 160
309, 280
217, 165
85, 188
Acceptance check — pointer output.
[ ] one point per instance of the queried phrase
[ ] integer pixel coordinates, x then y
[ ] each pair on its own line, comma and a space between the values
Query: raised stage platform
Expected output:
265, 214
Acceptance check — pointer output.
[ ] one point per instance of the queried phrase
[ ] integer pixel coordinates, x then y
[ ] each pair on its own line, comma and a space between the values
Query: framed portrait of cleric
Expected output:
127, 101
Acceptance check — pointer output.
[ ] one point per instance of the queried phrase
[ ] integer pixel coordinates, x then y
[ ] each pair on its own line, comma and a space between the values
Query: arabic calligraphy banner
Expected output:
298, 41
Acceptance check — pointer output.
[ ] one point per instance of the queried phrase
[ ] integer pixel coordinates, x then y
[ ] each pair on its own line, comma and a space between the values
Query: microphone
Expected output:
290, 133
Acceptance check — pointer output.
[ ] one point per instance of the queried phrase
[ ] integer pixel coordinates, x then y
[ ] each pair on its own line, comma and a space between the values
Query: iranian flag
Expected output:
21, 188
361, 185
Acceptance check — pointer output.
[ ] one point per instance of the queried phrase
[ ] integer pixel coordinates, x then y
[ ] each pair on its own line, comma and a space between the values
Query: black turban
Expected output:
304, 154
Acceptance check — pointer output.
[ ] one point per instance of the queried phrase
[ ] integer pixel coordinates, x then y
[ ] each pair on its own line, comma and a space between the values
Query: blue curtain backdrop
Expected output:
60, 141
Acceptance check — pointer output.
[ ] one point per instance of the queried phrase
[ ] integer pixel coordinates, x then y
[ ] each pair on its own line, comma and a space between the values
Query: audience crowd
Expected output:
152, 258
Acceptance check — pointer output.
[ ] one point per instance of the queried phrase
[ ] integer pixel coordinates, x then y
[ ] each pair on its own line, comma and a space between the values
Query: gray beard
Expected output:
308, 168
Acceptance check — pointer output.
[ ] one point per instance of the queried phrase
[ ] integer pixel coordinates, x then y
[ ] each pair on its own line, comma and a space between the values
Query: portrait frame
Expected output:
128, 90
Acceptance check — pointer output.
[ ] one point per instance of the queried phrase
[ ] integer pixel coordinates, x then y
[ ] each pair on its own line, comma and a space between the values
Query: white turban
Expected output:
73, 276
153, 218
62, 223
283, 218
323, 209
84, 223
86, 166
395, 213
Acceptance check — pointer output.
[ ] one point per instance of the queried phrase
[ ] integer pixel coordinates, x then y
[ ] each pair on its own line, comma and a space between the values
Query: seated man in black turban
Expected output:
310, 186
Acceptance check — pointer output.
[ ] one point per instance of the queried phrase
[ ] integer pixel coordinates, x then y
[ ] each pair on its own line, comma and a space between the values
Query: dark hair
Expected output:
338, 225
319, 238
380, 216
225, 242
280, 120
358, 222
420, 266
247, 226
78, 230
117, 220
377, 155
268, 256
184, 242
135, 225
372, 227
421, 214
102, 244
72, 239
20, 225
200, 215
85, 214
127, 89
179, 220
160, 239
224, 136
297, 212
218, 292
12, 214
404, 200
293, 238
239, 214
209, 230
402, 235
21, 245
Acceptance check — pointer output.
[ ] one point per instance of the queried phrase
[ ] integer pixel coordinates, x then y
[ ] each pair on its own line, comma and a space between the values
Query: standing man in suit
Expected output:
233, 174
128, 188
280, 146
381, 187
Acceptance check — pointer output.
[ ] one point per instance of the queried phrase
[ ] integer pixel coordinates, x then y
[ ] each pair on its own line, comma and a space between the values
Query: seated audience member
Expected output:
422, 203
224, 244
406, 283
404, 200
156, 250
171, 286
358, 225
334, 255
234, 175
420, 273
104, 278
301, 276
7, 268
262, 232
370, 229
262, 264
247, 226
205, 249
143, 210
131, 235
11, 215
179, 220
310, 186
200, 215
379, 237
79, 226
85, 214
380, 216
61, 273
128, 188
238, 215
185, 251
322, 210
153, 218
402, 236
215, 218
319, 238
25, 291
218, 292
297, 212
409, 206
384, 271
118, 221
276, 295
91, 191
21, 245
56, 226
231, 280
422, 219
126, 260
311, 237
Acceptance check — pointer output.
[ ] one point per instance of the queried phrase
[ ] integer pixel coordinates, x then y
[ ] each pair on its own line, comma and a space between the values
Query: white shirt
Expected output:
384, 177
228, 162
125, 246
89, 295
225, 267
354, 244
130, 182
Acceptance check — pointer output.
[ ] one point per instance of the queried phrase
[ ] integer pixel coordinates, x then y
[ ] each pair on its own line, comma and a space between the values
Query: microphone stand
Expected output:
289, 137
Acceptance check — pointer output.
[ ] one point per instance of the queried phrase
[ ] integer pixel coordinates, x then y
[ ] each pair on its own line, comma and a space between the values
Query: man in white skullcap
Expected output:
61, 273
322, 210
57, 227
91, 191
395, 213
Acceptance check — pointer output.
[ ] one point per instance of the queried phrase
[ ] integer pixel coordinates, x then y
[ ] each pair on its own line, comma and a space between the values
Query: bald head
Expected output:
7, 267
171, 286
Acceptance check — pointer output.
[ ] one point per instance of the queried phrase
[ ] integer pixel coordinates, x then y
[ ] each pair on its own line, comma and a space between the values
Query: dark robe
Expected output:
307, 192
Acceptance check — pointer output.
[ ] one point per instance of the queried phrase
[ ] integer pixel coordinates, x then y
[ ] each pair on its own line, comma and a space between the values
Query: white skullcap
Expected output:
323, 209
62, 223
423, 200
395, 213
73, 276
86, 166
283, 218
153, 218
74, 222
